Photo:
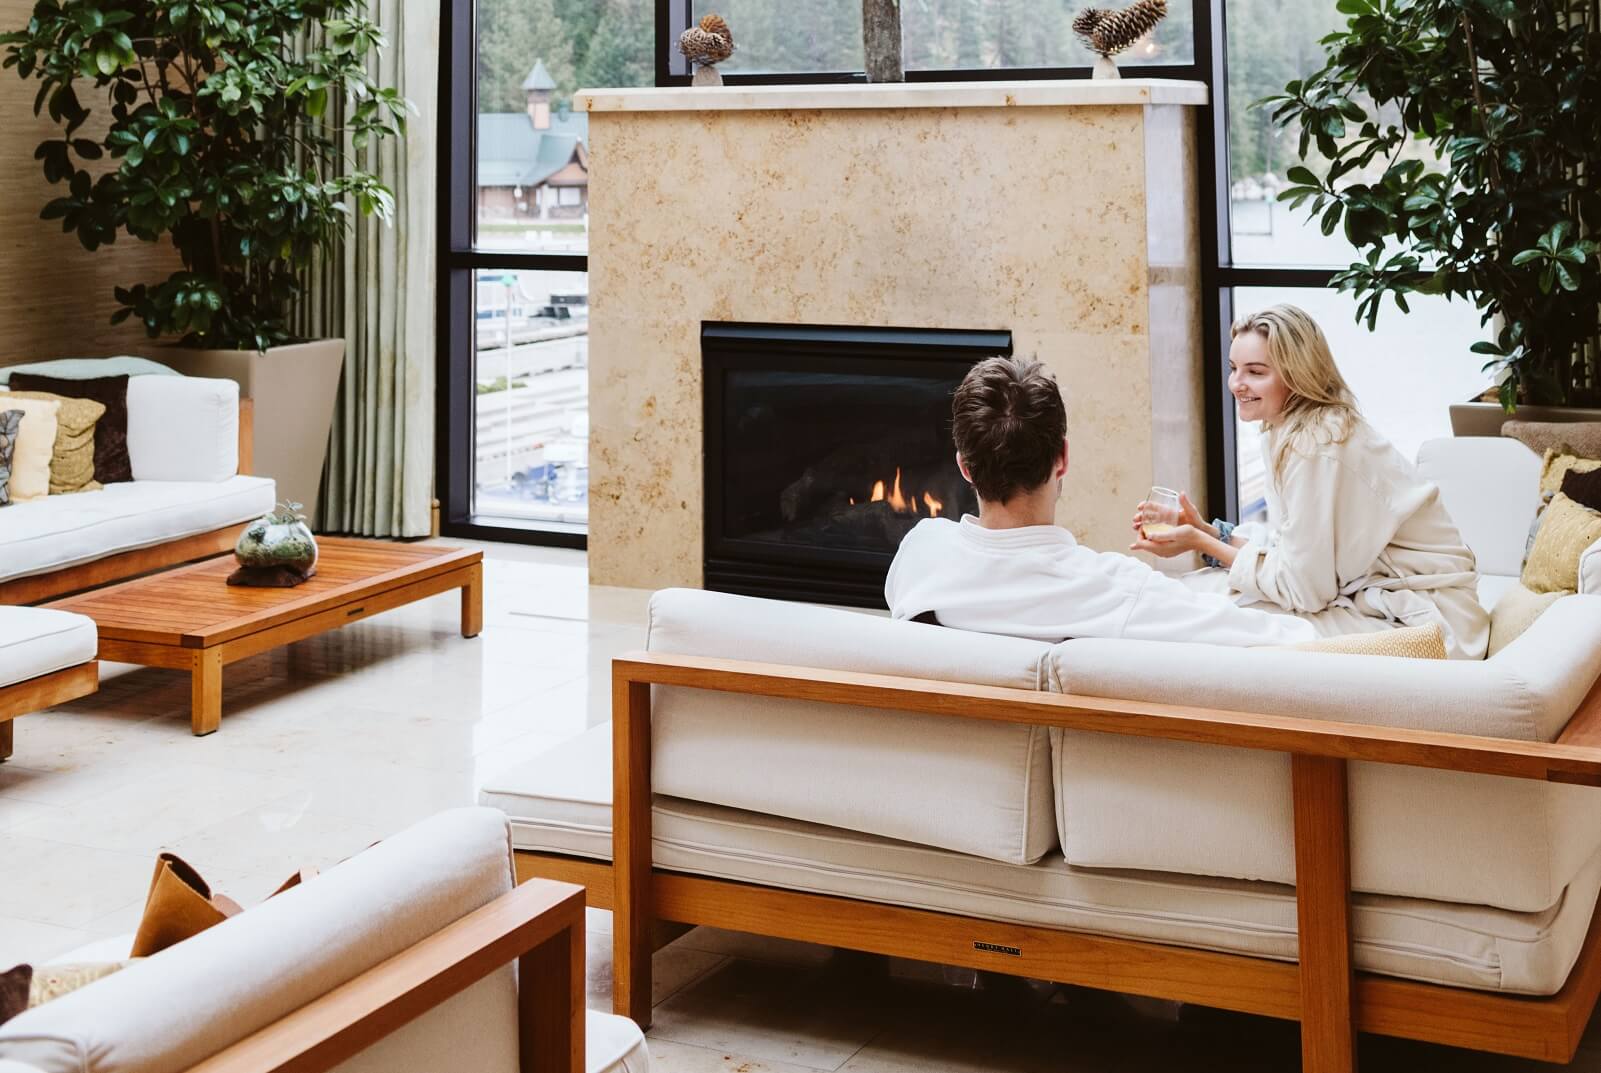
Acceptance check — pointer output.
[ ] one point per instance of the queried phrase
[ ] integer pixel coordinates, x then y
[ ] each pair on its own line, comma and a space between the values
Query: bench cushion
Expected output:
62, 531
961, 784
36, 641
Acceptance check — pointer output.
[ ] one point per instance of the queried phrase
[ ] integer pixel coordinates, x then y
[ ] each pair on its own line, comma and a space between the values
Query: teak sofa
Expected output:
1403, 847
189, 445
46, 658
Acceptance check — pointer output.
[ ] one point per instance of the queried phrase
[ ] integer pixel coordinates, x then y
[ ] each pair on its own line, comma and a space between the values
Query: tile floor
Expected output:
339, 741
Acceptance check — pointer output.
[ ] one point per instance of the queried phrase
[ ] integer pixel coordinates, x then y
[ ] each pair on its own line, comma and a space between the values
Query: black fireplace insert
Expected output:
824, 446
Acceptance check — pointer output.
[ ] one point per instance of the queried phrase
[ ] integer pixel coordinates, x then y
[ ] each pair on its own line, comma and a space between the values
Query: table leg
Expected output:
5, 738
205, 691
472, 602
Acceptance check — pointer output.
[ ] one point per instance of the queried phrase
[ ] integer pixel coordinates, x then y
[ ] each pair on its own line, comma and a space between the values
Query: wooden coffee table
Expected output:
190, 619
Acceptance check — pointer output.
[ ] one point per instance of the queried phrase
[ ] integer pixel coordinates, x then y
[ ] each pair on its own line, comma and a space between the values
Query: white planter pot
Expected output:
293, 388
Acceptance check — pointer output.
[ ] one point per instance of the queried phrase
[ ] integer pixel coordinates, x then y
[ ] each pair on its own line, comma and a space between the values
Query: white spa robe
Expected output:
1038, 582
1355, 534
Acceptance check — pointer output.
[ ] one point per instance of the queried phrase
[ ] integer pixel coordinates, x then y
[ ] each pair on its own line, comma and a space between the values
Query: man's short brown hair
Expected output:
1008, 421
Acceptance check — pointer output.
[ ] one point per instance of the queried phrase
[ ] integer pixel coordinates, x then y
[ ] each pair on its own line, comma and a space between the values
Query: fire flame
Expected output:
901, 503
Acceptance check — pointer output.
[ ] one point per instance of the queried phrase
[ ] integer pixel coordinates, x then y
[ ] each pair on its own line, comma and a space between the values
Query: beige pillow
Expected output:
50, 982
36, 441
72, 461
1566, 531
1558, 461
1515, 612
1409, 642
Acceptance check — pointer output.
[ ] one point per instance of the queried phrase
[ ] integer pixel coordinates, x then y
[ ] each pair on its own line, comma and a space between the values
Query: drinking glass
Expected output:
1160, 512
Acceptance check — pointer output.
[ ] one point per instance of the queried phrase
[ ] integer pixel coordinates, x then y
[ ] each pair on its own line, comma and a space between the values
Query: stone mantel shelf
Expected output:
1022, 94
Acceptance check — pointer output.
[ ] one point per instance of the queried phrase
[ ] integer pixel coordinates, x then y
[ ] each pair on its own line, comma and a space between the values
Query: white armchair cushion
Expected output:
183, 428
1590, 570
1491, 489
37, 640
958, 784
1204, 810
187, 1003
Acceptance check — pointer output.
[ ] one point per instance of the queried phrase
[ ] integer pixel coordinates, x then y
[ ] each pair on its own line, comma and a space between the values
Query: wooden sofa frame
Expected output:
39, 587
540, 925
1320, 990
44, 691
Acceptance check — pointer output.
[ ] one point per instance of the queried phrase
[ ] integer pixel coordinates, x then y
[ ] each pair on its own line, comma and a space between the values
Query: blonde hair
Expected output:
1320, 408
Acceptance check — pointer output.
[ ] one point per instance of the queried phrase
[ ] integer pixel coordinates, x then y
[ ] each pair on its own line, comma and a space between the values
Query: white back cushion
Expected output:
1205, 810
183, 428
959, 784
1491, 489
204, 994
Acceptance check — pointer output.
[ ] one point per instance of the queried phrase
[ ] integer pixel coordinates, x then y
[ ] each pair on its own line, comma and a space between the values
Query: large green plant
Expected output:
224, 129
1503, 209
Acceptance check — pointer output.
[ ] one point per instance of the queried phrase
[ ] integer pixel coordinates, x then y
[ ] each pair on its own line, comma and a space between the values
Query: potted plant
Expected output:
239, 131
1458, 143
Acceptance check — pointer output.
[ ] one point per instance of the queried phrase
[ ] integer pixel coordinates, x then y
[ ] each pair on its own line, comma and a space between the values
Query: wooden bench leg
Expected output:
472, 602
205, 691
631, 850
1323, 914
5, 738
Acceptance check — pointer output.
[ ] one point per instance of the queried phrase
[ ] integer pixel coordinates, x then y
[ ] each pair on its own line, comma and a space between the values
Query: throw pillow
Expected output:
1559, 462
52, 981
36, 442
10, 424
1515, 612
180, 904
72, 462
1583, 488
14, 991
1582, 438
1566, 532
1408, 642
111, 435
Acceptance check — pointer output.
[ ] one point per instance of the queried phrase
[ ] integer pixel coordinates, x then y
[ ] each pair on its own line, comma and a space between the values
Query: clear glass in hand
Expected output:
1160, 512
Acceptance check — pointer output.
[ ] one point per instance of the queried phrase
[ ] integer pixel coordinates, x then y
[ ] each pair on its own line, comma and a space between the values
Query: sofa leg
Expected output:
5, 738
632, 933
1323, 913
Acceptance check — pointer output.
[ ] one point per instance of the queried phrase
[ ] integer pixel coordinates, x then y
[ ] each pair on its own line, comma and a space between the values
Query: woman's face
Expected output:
1256, 387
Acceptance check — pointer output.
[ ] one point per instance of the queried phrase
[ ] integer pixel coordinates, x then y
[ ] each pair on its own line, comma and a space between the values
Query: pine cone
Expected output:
1084, 24
704, 48
1119, 30
716, 24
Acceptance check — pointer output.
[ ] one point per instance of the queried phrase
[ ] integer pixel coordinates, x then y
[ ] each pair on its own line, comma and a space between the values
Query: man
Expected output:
1013, 571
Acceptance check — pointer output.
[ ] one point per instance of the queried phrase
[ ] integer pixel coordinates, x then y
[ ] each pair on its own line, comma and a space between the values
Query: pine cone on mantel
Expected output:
709, 43
1111, 32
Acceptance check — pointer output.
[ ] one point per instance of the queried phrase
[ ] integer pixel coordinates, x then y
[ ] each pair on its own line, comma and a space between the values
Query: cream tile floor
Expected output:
339, 741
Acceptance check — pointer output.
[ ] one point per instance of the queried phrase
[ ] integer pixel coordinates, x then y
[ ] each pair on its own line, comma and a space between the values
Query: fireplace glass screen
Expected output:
824, 448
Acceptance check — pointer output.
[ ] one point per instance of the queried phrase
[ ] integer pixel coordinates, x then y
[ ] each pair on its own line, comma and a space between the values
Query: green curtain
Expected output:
377, 293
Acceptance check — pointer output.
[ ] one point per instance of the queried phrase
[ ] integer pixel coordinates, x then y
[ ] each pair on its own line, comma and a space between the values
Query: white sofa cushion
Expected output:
183, 428
36, 641
1491, 489
1204, 810
1590, 569
560, 802
974, 787
62, 531
194, 999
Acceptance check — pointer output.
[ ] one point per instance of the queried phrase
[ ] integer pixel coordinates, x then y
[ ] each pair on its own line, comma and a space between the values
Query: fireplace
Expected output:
824, 446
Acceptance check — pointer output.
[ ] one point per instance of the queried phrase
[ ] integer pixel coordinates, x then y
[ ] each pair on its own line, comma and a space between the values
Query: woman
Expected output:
1362, 543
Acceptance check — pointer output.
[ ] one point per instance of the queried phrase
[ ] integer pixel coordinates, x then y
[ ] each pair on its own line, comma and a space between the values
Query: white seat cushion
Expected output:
1204, 810
62, 531
36, 641
1491, 489
966, 785
561, 803
612, 1044
194, 999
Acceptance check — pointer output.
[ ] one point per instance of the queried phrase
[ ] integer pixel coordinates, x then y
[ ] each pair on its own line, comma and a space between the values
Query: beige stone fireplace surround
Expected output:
1064, 212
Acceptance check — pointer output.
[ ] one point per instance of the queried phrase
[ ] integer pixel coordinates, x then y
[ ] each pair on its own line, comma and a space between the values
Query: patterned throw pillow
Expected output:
111, 434
10, 423
72, 461
1407, 642
1566, 532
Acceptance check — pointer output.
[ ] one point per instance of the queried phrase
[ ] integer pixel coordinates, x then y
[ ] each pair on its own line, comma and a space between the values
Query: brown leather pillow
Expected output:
112, 465
14, 984
1583, 488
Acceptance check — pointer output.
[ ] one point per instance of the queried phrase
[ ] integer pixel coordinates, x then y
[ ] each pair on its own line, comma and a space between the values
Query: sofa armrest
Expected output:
1590, 570
540, 924
184, 428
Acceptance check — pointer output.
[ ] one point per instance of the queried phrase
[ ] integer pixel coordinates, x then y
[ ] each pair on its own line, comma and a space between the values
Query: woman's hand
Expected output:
1148, 512
1175, 541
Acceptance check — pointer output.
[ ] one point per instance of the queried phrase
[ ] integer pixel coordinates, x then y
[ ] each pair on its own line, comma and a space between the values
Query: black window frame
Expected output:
459, 260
